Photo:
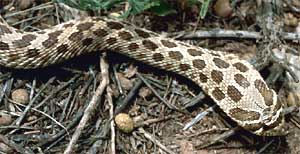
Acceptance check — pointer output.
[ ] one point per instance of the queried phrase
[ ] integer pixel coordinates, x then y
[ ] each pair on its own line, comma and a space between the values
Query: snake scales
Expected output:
236, 87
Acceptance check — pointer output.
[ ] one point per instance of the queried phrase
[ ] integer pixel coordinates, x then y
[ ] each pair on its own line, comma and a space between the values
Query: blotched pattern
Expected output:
232, 83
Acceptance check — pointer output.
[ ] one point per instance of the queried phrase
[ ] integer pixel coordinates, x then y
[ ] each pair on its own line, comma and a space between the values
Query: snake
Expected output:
234, 84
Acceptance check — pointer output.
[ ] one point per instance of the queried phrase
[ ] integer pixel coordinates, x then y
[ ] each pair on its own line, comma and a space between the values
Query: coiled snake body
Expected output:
236, 87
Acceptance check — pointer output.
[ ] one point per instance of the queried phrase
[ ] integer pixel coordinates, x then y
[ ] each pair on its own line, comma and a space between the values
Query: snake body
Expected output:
236, 87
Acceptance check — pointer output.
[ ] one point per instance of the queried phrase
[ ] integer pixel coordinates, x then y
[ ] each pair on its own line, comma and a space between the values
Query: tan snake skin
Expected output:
236, 87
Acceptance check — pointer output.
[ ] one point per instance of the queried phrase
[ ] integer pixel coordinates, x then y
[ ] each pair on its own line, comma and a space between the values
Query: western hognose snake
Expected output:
232, 83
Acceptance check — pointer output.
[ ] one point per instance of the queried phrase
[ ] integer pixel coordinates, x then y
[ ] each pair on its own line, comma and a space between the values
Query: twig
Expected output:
118, 81
45, 114
19, 120
66, 105
130, 95
155, 141
42, 6
218, 139
195, 100
293, 8
199, 117
209, 131
171, 106
90, 108
13, 145
221, 33
261, 150
56, 91
156, 120
63, 131
291, 36
112, 124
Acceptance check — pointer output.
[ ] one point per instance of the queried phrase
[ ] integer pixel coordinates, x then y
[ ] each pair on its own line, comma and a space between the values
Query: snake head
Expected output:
266, 119
272, 120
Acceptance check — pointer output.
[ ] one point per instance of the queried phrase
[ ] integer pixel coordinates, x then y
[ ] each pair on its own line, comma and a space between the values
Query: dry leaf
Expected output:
125, 82
130, 71
145, 92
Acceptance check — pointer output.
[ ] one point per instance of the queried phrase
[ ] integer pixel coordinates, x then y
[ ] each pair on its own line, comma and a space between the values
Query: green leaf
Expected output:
204, 8
193, 2
107, 4
90, 4
139, 6
158, 7
163, 9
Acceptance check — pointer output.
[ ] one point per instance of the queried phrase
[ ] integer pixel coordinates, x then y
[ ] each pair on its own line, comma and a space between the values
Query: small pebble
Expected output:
290, 20
5, 119
20, 96
5, 148
222, 8
124, 122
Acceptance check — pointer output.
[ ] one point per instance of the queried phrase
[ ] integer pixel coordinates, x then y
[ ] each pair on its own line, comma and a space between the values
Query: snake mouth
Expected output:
271, 125
273, 129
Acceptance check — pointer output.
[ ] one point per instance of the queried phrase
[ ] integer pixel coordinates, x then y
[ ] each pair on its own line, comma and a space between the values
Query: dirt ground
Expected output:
40, 109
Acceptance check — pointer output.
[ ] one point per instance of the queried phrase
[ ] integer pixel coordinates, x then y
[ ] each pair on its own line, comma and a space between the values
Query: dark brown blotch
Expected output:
243, 115
150, 45
184, 67
260, 85
158, 57
175, 55
111, 41
68, 25
32, 52
264, 91
20, 44
203, 78
62, 48
133, 46
28, 37
124, 35
142, 56
24, 41
85, 26
194, 52
55, 34
4, 46
100, 32
168, 44
218, 94
114, 25
13, 56
142, 33
241, 80
52, 39
198, 63
217, 76
234, 93
87, 41
76, 36
220, 63
241, 67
